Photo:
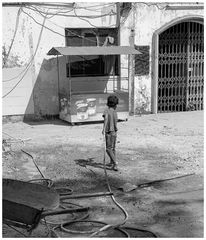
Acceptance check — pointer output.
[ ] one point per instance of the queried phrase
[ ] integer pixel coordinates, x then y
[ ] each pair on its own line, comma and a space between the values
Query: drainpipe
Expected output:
132, 66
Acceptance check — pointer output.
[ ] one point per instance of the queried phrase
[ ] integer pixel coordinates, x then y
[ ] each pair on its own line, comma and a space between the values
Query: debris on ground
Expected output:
127, 187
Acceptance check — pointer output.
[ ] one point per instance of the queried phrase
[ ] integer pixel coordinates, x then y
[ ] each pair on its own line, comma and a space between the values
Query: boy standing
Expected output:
110, 129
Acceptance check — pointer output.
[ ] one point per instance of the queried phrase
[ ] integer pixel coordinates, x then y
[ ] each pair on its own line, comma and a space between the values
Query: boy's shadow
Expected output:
90, 162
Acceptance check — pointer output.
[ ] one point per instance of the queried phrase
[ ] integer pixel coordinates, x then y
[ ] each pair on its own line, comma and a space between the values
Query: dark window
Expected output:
92, 65
142, 60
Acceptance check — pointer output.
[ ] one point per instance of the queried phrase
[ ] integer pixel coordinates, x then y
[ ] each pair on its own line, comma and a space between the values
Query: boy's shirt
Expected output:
111, 116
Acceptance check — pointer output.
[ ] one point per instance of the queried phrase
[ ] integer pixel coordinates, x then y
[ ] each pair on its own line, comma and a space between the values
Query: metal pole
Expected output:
63, 211
118, 43
70, 90
155, 73
131, 68
70, 83
58, 85
131, 84
99, 194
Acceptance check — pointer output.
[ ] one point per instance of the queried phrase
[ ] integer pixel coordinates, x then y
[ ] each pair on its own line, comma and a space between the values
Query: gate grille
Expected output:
181, 68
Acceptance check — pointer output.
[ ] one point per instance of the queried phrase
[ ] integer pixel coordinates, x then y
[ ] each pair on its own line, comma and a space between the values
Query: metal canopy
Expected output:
114, 50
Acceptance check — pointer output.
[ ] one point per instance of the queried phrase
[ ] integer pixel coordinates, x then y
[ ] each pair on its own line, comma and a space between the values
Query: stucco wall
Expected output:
148, 19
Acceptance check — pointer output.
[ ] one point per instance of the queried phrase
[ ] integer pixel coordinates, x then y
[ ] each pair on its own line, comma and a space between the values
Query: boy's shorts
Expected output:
111, 140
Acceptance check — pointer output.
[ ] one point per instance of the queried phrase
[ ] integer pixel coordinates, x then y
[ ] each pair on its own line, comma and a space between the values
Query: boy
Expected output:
110, 129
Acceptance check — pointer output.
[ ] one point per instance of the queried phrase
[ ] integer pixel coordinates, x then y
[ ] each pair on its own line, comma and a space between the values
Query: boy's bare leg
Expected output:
110, 149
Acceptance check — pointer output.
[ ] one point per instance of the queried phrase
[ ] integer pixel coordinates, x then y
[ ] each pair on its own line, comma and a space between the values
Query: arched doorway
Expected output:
180, 67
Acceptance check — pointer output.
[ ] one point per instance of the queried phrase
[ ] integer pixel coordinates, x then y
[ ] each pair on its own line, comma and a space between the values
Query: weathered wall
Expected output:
149, 18
39, 89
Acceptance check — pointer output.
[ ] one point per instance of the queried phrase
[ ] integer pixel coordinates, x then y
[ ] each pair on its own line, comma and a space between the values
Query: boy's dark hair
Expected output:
112, 101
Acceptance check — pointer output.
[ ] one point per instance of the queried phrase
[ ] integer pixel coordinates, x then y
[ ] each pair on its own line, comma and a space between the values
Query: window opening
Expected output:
92, 65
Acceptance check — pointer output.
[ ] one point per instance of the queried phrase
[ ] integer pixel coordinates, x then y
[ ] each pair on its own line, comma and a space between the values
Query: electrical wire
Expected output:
7, 80
12, 41
60, 13
94, 7
28, 66
41, 24
153, 4
74, 34
85, 20
45, 16
40, 12
60, 9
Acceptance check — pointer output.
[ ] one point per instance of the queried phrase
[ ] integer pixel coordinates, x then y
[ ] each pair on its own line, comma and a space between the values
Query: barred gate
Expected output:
181, 68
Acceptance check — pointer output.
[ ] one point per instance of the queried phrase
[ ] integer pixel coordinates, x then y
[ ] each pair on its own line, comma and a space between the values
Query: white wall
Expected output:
43, 73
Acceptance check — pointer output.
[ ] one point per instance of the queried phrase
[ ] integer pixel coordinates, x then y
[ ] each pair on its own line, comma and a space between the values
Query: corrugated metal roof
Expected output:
113, 50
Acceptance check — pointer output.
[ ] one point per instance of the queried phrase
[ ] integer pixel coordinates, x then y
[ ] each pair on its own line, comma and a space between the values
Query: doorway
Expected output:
181, 68
178, 66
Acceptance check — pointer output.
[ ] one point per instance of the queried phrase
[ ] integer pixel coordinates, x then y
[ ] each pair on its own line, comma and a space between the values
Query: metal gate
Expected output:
181, 68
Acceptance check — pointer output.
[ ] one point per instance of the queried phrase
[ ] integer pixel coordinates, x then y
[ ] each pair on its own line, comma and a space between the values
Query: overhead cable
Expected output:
93, 6
12, 41
55, 31
84, 19
59, 13
28, 66
74, 34
22, 4
42, 13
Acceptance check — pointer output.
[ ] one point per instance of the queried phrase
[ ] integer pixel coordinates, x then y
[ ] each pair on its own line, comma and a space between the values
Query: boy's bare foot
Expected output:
115, 168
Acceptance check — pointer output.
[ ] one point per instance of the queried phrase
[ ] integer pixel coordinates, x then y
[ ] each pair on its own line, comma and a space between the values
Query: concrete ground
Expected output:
161, 154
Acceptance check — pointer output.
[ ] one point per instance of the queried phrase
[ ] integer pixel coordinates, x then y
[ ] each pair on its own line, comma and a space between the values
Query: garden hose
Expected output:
34, 162
62, 225
113, 199
47, 180
138, 229
74, 217
91, 231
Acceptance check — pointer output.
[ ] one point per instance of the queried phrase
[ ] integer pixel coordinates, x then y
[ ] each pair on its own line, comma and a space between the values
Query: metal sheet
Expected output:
72, 51
29, 194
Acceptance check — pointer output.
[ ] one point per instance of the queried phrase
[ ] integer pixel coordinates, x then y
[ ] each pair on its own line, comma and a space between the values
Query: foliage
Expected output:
11, 60
142, 102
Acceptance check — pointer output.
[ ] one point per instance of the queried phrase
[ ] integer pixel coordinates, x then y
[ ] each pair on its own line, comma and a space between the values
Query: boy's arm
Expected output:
105, 116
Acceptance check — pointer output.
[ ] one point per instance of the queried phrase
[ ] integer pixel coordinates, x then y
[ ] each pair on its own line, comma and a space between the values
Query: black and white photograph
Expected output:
102, 119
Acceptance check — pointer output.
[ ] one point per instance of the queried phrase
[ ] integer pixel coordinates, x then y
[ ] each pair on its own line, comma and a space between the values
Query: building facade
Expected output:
168, 76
